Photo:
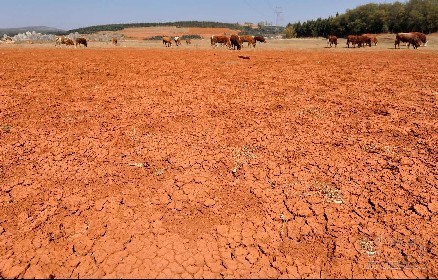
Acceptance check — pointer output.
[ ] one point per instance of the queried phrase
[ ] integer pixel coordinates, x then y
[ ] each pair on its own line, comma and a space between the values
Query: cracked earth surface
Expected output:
168, 163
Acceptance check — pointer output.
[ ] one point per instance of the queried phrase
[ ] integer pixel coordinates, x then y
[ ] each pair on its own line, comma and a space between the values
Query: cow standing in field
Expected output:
177, 40
69, 42
362, 41
408, 38
81, 41
351, 39
249, 39
421, 36
61, 40
332, 40
260, 39
372, 37
235, 42
114, 41
167, 41
219, 39
188, 41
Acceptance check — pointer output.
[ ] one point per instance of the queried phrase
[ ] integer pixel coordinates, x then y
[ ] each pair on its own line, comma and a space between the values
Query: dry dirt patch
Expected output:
162, 163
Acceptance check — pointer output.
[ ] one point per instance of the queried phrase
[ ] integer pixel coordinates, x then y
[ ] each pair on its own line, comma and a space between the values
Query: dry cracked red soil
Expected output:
169, 163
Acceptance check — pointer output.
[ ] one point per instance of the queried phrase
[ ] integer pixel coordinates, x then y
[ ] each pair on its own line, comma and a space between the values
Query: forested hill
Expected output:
413, 15
121, 26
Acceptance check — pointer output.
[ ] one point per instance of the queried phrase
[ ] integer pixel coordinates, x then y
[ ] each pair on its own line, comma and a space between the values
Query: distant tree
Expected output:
413, 15
261, 25
289, 32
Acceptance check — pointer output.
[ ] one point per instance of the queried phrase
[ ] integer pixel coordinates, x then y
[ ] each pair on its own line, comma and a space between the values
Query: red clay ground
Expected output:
196, 163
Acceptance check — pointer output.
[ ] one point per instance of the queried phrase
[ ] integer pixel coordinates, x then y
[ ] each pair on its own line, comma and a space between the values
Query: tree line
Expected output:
183, 24
414, 15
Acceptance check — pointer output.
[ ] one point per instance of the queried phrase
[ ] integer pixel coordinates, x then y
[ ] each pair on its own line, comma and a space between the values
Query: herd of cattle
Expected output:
61, 40
236, 42
232, 42
412, 38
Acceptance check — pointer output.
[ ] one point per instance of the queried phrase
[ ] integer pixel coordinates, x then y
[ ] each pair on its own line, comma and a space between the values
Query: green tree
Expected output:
413, 15
289, 32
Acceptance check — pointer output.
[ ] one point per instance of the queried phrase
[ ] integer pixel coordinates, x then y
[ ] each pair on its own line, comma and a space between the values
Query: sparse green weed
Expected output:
242, 156
6, 128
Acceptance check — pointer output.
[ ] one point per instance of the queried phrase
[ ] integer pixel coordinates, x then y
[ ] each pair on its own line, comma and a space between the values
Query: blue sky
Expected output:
70, 14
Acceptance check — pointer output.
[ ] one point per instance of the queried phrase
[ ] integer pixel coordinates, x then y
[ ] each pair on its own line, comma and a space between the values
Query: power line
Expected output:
278, 11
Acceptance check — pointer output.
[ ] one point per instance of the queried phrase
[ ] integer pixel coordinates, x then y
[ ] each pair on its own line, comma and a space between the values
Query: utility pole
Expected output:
278, 11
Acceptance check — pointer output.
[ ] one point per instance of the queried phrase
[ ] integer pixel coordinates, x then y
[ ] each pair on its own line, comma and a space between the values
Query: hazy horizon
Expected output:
69, 15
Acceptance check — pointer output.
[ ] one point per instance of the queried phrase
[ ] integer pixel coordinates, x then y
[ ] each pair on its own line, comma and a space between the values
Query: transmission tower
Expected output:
278, 11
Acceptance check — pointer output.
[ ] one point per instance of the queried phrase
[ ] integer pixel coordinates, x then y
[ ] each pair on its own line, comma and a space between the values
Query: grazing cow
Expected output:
260, 39
69, 42
332, 40
422, 37
81, 41
188, 41
351, 39
167, 41
372, 37
362, 41
215, 39
249, 39
177, 40
235, 42
114, 41
408, 38
58, 40
61, 40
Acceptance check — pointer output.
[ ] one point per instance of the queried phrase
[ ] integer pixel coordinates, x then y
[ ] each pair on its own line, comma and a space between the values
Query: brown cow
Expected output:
61, 40
114, 41
260, 39
81, 41
188, 41
408, 38
215, 39
421, 36
351, 39
249, 39
372, 37
332, 40
167, 41
235, 42
69, 42
362, 41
